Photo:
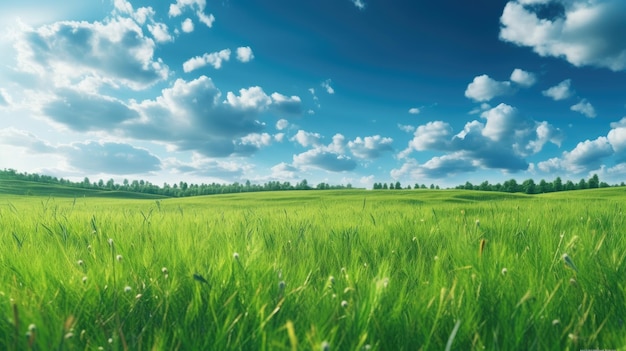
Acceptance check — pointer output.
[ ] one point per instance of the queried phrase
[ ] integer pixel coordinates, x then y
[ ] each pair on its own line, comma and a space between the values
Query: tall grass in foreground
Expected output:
324, 270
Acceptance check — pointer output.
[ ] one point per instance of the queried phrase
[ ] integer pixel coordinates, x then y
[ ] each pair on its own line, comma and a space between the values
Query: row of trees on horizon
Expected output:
183, 189
528, 186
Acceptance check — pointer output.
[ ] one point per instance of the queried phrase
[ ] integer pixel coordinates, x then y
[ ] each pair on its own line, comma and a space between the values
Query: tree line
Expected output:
181, 189
528, 186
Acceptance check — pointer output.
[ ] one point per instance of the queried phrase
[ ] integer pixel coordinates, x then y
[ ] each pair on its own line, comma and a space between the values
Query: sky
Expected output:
335, 91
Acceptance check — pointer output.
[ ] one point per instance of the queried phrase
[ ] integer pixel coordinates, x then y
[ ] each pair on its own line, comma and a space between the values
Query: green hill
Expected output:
30, 188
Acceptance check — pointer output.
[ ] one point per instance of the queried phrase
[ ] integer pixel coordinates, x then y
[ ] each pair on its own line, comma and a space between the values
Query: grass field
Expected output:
315, 270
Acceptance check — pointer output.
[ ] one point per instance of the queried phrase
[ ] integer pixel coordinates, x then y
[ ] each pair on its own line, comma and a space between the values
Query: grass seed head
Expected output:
32, 327
164, 270
569, 263
119, 258
325, 346
80, 262
127, 289
84, 279
504, 271
344, 304
236, 256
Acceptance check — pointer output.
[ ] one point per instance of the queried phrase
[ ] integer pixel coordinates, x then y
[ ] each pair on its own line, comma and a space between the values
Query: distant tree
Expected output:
594, 182
582, 184
468, 186
557, 185
569, 185
529, 186
543, 186
391, 186
398, 185
385, 186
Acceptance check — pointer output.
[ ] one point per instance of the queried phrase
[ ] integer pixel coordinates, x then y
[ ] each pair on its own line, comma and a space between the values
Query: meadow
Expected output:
315, 270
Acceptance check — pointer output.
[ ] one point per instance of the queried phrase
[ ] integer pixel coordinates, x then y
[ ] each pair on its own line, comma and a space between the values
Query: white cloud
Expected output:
214, 59
360, 4
253, 98
323, 159
406, 128
433, 135
257, 139
284, 171
307, 139
502, 142
244, 54
67, 53
523, 78
187, 25
370, 147
484, 88
207, 20
279, 137
588, 33
160, 33
287, 104
585, 108
199, 6
617, 137
327, 86
282, 124
560, 91
414, 110
5, 98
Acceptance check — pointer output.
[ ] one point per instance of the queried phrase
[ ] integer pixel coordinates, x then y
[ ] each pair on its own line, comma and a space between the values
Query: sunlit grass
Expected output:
343, 270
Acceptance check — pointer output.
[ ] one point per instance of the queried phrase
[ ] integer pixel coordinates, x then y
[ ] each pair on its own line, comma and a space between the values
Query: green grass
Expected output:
379, 270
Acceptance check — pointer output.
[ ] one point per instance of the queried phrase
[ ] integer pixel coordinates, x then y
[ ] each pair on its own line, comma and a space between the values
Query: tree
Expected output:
582, 184
398, 185
385, 186
557, 185
529, 186
594, 182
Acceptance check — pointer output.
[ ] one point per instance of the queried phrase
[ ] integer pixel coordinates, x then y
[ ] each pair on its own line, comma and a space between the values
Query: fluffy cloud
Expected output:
484, 88
160, 33
523, 78
214, 59
560, 91
89, 157
370, 147
282, 124
435, 168
503, 141
414, 111
585, 33
115, 51
180, 6
187, 116
585, 108
307, 139
323, 159
4, 98
287, 104
327, 86
110, 158
284, 171
360, 4
217, 170
589, 154
81, 111
187, 25
244, 54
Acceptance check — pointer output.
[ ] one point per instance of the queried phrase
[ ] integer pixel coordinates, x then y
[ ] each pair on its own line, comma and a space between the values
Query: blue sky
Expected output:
337, 91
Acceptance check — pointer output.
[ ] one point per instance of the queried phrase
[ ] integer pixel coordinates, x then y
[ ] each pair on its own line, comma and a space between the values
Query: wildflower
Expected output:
127, 288
331, 280
118, 257
573, 282
569, 262
436, 258
556, 322
478, 222
110, 241
164, 270
236, 256
88, 247
69, 335
84, 279
110, 340
344, 304
80, 262
504, 271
